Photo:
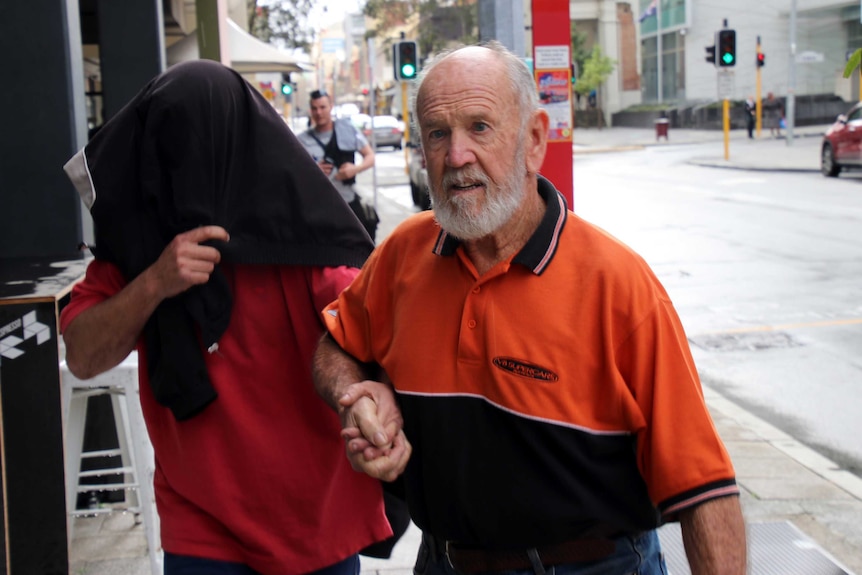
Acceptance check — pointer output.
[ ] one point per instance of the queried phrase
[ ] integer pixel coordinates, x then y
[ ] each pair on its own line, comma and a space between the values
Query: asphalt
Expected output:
783, 482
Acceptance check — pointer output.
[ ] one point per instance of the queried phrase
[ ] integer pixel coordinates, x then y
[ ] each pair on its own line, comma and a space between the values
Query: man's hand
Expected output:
346, 171
101, 336
372, 427
185, 263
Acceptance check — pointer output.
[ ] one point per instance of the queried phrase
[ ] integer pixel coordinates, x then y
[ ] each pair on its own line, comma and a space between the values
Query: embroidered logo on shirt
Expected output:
524, 369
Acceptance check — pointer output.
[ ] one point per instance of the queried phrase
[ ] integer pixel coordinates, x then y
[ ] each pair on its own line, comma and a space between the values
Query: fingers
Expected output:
386, 465
364, 413
185, 262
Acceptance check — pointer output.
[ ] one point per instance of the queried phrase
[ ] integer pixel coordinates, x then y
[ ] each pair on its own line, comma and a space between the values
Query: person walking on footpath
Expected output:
774, 114
334, 144
750, 116
540, 400
218, 243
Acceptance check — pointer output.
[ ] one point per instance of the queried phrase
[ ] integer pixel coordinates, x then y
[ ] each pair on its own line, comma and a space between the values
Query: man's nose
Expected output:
460, 152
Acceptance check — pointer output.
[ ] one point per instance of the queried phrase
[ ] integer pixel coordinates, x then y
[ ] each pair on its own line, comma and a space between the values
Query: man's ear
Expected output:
536, 140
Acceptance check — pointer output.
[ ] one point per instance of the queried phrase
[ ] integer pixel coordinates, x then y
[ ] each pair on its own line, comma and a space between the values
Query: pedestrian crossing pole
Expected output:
405, 115
725, 108
758, 100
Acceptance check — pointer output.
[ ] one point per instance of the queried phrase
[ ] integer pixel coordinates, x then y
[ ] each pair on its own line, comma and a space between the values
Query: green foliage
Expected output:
853, 63
579, 50
439, 24
596, 70
281, 21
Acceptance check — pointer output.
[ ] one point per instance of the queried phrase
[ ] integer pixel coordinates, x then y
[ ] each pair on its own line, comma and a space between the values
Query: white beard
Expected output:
471, 217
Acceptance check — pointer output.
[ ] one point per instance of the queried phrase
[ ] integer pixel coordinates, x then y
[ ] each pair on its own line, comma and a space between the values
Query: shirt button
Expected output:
477, 289
471, 324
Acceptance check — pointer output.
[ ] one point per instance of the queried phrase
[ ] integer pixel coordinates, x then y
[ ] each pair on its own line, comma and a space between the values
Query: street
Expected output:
763, 268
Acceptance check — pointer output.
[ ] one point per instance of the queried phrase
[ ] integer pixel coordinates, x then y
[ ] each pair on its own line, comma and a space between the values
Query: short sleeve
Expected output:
102, 281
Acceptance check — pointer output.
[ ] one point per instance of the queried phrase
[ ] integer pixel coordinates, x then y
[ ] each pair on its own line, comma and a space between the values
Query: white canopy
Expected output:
248, 55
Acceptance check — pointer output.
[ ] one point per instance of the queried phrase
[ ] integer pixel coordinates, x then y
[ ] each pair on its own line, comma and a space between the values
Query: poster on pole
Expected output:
553, 81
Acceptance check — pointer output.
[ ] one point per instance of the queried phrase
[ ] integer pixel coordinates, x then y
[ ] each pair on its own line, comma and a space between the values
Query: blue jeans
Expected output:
633, 556
186, 565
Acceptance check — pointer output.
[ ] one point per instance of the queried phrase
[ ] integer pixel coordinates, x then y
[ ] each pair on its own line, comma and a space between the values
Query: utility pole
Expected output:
758, 99
791, 82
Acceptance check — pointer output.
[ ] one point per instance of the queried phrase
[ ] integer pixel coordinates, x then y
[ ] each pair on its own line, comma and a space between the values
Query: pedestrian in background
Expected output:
774, 114
549, 415
334, 144
218, 242
750, 116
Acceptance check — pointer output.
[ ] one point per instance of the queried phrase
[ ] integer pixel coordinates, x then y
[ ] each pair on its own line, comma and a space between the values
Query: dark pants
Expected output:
639, 555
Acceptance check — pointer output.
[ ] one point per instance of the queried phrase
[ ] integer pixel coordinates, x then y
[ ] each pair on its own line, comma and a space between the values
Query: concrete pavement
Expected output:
785, 485
760, 154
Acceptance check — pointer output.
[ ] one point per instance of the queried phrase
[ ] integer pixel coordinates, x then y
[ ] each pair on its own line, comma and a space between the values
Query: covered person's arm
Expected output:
370, 417
714, 537
100, 337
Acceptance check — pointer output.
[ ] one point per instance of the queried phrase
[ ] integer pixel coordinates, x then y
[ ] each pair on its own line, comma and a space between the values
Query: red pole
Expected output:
552, 65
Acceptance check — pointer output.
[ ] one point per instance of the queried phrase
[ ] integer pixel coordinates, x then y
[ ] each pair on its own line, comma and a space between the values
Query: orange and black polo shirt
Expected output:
551, 398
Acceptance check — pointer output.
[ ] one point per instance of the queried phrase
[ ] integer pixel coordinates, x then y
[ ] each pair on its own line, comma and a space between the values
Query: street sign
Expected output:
809, 57
726, 83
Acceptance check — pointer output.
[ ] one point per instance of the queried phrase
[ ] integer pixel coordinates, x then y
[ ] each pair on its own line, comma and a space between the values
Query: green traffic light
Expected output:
408, 71
286, 89
728, 58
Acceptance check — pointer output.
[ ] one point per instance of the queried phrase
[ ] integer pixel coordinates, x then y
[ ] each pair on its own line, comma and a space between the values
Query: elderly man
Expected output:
552, 414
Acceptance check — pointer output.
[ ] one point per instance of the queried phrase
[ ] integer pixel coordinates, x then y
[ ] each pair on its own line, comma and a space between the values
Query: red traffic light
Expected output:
761, 59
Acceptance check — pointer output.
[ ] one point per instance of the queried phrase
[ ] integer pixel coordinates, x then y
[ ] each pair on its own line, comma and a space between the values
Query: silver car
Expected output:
418, 174
388, 131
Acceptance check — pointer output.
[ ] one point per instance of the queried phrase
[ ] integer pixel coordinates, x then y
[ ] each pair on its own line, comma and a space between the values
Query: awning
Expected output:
248, 54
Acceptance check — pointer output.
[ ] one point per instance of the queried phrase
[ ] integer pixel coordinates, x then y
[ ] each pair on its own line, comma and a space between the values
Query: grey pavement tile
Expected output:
802, 487
115, 545
752, 449
767, 467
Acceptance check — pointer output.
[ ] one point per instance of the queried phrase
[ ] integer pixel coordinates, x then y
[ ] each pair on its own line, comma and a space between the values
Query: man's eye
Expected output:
435, 134
480, 126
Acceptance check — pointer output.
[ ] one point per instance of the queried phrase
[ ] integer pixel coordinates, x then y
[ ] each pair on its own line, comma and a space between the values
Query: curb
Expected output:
725, 165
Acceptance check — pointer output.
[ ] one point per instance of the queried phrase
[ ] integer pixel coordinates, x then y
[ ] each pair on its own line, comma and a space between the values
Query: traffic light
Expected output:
710, 54
286, 85
726, 44
406, 60
761, 59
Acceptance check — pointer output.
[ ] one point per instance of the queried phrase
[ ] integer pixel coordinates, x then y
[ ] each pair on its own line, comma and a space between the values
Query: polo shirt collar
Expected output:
539, 250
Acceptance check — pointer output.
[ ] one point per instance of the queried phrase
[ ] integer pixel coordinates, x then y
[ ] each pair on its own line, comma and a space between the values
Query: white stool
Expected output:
135, 450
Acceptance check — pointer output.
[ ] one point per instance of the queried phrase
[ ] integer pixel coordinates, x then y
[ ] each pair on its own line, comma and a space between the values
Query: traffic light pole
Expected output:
405, 115
758, 99
725, 112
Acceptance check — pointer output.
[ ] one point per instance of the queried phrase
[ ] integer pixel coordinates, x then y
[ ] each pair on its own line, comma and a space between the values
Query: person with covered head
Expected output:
540, 402
218, 241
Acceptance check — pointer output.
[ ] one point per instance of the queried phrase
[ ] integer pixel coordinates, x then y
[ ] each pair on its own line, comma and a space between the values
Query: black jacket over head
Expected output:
200, 146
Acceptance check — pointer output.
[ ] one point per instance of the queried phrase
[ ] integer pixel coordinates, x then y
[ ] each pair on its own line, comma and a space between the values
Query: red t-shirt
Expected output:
260, 475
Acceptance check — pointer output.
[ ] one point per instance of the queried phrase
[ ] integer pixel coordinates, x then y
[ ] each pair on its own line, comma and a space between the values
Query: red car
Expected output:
842, 143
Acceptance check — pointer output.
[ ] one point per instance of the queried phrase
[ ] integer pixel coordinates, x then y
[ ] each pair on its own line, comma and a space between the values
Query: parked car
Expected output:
388, 131
418, 173
842, 143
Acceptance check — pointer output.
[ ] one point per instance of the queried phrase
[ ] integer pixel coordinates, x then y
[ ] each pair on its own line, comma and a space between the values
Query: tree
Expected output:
438, 24
853, 63
282, 22
579, 49
596, 70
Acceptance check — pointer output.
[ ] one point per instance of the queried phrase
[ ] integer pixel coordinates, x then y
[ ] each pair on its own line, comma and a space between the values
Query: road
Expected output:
764, 268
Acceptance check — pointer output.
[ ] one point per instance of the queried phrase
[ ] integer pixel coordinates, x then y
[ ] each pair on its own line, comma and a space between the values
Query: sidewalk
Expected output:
764, 153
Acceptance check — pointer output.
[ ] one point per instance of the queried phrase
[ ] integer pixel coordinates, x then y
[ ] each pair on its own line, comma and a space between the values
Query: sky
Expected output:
335, 11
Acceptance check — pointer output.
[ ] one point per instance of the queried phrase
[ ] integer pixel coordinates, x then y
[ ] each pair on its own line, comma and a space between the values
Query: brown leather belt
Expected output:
470, 560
